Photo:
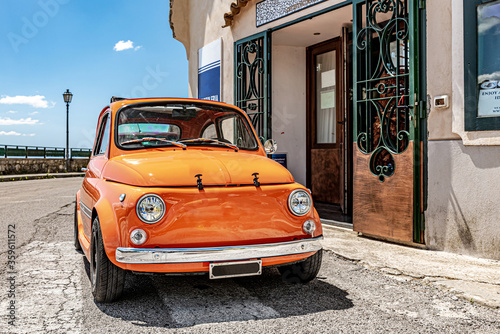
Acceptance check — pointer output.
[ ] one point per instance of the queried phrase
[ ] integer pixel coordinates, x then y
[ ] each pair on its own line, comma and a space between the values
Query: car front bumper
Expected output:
215, 254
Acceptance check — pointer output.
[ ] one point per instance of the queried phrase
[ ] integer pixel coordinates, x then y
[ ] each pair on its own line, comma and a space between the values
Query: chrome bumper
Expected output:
213, 254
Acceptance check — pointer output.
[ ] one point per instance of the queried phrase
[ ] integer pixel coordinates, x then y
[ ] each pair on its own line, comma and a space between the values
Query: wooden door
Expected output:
325, 122
386, 166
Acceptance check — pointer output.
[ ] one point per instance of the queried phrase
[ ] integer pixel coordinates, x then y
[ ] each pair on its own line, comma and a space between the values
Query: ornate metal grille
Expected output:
382, 102
252, 81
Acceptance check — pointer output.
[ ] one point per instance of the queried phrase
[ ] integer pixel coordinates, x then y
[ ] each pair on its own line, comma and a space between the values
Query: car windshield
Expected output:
183, 124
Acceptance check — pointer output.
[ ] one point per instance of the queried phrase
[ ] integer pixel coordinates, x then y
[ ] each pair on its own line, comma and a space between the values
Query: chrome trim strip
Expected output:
212, 254
85, 210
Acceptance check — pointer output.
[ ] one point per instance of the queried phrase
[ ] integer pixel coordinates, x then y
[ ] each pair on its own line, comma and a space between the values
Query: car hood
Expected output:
180, 167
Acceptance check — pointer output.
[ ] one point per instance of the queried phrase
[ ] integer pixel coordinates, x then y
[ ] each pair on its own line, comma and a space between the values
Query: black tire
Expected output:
302, 272
107, 280
78, 247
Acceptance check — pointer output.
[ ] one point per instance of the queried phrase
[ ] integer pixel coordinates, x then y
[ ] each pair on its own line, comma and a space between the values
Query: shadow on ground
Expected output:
182, 301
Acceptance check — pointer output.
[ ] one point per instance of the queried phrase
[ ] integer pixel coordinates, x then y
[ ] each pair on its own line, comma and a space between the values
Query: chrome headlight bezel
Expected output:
290, 200
137, 210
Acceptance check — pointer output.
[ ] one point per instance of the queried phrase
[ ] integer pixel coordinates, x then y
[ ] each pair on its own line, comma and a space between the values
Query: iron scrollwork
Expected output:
251, 82
383, 80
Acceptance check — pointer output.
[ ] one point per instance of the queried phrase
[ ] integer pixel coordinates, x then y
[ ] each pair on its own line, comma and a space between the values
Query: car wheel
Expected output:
107, 279
302, 272
78, 247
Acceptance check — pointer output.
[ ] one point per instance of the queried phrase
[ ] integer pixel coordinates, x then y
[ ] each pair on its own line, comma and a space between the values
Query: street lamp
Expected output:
67, 98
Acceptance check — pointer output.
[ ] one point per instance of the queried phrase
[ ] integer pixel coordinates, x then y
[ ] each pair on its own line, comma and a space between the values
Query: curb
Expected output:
9, 178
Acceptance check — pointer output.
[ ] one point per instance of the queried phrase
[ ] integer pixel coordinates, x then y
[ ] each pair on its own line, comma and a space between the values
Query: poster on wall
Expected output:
209, 71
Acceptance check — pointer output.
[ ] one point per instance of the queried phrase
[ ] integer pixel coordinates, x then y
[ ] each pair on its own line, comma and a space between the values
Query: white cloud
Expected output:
21, 121
33, 113
122, 45
10, 133
36, 101
28, 134
12, 112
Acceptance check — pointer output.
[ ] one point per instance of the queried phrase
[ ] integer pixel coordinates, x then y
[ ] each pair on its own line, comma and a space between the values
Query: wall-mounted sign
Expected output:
270, 10
279, 158
209, 71
489, 99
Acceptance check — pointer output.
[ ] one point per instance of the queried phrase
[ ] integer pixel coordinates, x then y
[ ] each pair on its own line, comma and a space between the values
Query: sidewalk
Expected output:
473, 279
20, 177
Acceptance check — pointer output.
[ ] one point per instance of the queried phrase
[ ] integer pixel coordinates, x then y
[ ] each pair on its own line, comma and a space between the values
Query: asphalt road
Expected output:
52, 289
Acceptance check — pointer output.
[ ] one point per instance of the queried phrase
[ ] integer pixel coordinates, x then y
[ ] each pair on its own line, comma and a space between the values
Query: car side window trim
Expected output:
105, 125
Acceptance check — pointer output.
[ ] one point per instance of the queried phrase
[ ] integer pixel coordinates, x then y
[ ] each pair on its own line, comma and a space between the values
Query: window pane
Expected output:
105, 138
488, 58
326, 114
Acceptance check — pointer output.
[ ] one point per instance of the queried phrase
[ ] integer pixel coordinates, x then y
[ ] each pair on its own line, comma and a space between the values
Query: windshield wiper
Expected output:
140, 140
234, 147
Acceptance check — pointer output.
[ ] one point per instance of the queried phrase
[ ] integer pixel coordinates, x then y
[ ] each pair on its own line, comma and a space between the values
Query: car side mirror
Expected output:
270, 146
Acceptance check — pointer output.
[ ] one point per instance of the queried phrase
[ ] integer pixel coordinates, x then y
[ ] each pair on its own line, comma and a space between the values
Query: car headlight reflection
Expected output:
299, 202
150, 208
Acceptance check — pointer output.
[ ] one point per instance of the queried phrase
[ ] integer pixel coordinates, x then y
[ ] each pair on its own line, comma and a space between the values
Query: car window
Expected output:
103, 138
161, 123
209, 132
233, 130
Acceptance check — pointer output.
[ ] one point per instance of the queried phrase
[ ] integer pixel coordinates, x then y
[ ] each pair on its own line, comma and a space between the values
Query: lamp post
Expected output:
67, 98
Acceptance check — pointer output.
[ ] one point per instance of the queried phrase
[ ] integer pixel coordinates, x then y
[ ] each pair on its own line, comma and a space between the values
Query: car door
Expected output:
90, 195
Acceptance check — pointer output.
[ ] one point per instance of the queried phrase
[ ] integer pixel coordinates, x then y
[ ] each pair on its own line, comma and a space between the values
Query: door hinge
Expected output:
423, 110
421, 4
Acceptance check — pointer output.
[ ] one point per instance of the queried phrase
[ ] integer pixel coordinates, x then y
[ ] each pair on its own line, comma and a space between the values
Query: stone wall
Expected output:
11, 166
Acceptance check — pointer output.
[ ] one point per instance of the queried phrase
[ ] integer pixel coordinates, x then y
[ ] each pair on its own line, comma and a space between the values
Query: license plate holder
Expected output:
235, 269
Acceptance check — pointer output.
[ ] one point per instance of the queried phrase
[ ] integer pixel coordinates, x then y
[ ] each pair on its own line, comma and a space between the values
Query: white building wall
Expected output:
289, 106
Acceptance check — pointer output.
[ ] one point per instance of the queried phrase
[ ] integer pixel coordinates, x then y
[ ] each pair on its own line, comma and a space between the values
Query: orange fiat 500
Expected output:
183, 186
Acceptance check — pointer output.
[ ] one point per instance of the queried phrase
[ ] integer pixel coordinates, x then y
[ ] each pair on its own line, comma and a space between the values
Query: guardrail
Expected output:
12, 151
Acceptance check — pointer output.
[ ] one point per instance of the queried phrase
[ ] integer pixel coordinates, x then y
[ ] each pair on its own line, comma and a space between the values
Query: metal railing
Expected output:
13, 151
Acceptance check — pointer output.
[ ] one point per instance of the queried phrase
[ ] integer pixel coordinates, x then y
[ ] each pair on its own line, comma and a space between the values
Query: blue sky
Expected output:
96, 49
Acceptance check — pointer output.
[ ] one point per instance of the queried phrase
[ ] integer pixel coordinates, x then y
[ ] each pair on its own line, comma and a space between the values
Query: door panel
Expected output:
385, 97
325, 175
325, 121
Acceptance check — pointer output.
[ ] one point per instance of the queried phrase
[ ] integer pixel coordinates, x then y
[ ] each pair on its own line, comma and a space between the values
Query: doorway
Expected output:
326, 128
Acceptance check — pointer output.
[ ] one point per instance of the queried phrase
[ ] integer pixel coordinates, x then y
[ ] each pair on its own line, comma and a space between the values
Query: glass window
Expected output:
103, 138
155, 124
209, 132
482, 65
326, 110
488, 59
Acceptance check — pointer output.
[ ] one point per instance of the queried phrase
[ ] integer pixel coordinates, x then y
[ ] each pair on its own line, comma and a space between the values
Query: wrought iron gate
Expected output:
252, 84
386, 126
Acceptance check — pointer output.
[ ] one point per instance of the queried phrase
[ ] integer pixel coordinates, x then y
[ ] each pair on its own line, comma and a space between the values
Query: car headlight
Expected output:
150, 208
299, 202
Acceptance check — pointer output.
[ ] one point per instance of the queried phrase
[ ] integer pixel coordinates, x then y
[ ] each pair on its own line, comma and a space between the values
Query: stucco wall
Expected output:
464, 173
289, 106
439, 67
464, 193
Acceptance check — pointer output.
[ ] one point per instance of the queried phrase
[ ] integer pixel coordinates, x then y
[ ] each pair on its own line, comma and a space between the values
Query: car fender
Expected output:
111, 235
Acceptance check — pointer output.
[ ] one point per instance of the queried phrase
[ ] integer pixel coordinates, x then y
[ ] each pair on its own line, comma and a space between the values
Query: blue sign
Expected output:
209, 71
279, 158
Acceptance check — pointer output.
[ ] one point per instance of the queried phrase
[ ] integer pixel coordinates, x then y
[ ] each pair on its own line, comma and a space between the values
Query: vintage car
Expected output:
184, 186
